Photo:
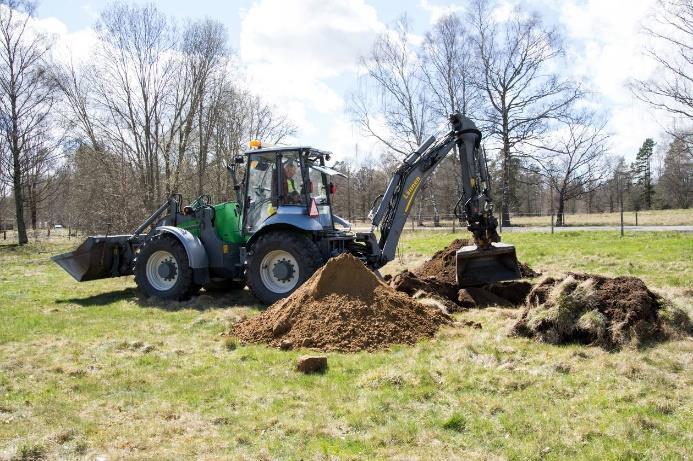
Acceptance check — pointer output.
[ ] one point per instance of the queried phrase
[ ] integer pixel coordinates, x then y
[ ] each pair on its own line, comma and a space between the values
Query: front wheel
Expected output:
279, 263
162, 269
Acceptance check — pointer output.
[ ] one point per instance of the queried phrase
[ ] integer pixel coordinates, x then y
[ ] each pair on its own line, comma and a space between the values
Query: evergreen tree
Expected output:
642, 171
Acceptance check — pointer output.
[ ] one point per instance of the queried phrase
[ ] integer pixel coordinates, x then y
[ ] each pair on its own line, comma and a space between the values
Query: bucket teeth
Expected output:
479, 267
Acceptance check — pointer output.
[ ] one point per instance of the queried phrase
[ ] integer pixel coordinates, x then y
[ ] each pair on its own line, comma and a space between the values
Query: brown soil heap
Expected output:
603, 311
343, 307
442, 264
437, 277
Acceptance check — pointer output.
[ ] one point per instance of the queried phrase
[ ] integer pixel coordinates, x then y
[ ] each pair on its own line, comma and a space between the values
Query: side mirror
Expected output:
238, 159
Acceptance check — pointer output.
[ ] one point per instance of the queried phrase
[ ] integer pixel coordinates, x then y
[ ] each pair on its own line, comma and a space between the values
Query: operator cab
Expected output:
287, 182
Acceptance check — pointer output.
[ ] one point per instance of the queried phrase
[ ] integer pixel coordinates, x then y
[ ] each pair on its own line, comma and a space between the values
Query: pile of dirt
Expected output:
343, 307
436, 279
442, 264
597, 310
510, 293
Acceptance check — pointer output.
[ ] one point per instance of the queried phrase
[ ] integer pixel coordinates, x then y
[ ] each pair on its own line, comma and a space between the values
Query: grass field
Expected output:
89, 370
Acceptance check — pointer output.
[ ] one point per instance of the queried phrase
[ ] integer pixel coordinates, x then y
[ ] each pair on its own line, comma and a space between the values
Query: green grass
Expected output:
660, 258
90, 369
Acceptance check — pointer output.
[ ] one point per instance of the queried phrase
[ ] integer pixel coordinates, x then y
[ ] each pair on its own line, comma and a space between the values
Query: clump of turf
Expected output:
602, 311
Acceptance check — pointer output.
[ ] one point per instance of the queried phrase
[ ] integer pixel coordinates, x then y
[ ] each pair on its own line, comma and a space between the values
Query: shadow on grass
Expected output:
205, 301
201, 302
102, 299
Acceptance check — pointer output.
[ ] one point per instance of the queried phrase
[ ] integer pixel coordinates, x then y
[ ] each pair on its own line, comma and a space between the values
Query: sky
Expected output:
301, 55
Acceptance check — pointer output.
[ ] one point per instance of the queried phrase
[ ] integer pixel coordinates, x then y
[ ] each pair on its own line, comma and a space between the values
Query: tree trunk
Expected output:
33, 212
505, 186
561, 210
18, 199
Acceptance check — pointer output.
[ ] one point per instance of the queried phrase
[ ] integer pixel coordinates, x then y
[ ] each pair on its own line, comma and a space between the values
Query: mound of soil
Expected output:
442, 265
437, 278
509, 293
603, 311
343, 307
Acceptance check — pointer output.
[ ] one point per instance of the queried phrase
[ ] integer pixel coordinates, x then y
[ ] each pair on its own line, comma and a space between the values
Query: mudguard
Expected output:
197, 255
298, 220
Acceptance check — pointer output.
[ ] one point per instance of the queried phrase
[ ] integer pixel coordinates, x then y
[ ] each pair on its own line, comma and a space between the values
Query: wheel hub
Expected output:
283, 270
167, 270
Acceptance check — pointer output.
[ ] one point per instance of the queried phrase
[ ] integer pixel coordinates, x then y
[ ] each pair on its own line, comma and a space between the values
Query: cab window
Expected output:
262, 189
293, 190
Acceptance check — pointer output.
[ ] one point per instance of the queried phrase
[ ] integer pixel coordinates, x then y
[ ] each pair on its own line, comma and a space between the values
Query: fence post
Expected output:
551, 223
453, 224
4, 235
621, 218
636, 217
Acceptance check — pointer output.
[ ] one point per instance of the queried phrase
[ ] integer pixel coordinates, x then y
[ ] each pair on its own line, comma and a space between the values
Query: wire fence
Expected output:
630, 218
444, 223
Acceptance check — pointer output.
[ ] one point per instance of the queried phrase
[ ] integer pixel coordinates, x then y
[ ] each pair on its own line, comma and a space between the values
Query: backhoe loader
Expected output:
281, 228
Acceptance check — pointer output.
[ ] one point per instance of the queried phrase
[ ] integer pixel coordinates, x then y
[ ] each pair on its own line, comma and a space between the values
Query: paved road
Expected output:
557, 229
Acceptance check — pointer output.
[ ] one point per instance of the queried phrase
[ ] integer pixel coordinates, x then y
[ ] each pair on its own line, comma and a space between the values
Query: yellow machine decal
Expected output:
411, 193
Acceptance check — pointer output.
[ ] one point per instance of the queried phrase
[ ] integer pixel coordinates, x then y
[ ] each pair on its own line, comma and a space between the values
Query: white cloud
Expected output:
605, 51
65, 45
292, 51
436, 11
320, 38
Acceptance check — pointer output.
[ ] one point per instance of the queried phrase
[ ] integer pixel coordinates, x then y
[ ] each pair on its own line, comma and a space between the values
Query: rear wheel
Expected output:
279, 263
162, 269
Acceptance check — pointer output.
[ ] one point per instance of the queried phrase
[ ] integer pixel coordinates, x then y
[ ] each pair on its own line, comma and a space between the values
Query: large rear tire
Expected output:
162, 269
279, 263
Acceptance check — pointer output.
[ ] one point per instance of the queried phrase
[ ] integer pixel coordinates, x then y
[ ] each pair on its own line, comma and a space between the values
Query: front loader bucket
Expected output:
99, 257
481, 266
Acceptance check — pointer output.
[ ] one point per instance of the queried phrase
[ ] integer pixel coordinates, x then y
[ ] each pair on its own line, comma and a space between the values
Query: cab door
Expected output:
261, 190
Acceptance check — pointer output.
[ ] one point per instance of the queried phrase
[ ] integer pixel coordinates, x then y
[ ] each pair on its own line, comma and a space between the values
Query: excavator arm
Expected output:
495, 261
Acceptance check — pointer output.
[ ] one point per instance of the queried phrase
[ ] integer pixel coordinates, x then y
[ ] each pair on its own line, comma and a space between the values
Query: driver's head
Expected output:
290, 168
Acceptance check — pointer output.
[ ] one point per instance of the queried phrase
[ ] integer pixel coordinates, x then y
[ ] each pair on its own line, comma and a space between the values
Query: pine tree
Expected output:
642, 170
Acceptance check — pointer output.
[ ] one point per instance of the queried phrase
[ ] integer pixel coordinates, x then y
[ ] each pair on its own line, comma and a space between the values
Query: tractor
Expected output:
281, 228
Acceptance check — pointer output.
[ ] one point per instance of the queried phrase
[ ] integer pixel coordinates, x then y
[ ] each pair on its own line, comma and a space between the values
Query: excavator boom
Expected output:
487, 260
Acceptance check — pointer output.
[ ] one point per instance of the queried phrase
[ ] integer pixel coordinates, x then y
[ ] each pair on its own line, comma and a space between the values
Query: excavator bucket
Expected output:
96, 258
476, 266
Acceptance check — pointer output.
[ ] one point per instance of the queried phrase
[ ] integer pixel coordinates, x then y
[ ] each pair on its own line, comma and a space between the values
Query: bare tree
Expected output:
43, 155
670, 30
132, 83
26, 95
400, 114
573, 161
154, 112
447, 67
447, 64
522, 94
402, 100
